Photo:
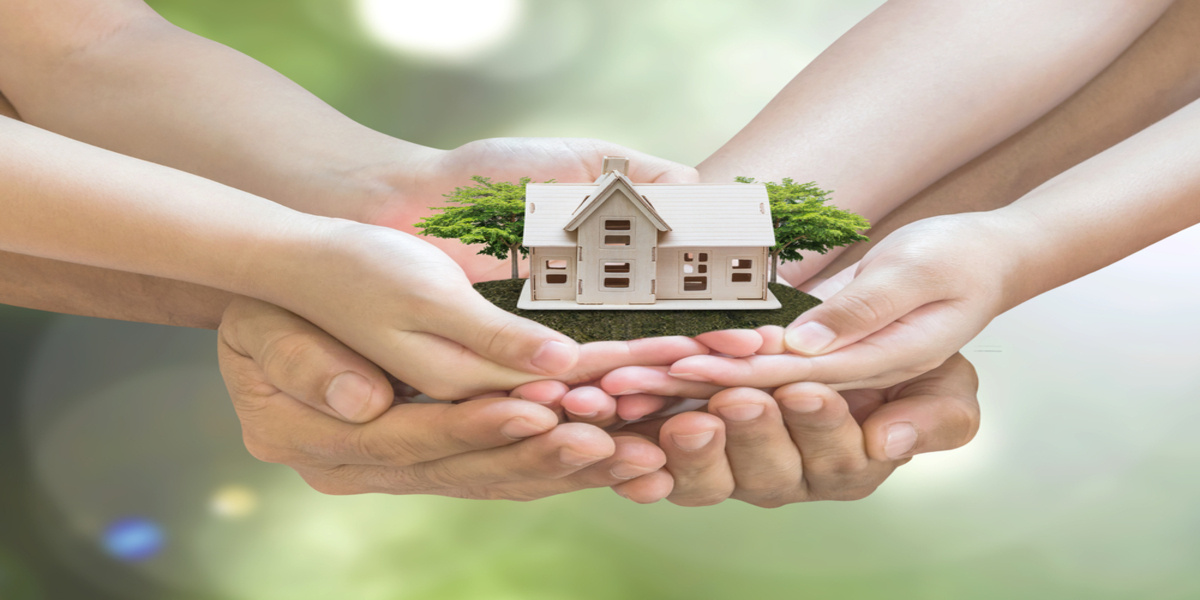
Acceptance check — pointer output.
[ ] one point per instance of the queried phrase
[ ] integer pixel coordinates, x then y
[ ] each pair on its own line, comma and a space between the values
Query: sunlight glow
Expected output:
449, 30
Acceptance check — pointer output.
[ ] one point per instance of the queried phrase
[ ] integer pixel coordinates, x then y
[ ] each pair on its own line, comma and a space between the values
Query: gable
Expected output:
612, 185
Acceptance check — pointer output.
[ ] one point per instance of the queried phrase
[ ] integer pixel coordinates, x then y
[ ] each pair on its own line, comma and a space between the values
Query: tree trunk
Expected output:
516, 271
775, 267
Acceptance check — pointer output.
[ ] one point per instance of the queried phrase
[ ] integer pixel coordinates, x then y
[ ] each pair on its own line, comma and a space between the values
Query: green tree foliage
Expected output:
488, 213
803, 221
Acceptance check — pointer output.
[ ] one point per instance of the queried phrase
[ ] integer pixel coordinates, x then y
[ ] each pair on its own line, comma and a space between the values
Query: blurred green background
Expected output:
1080, 484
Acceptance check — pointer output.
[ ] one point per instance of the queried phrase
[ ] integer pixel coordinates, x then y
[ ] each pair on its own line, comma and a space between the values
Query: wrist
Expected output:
1018, 241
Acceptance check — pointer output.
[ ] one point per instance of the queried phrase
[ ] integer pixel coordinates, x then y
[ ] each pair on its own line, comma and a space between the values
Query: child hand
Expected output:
916, 298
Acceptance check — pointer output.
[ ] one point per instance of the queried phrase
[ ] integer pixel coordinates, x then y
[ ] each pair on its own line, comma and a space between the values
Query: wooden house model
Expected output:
614, 244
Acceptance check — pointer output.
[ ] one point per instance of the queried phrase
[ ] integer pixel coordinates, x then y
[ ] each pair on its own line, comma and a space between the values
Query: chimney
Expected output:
619, 164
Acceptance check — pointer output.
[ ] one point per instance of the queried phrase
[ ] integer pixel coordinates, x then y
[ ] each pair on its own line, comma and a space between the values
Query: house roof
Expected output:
714, 215
605, 187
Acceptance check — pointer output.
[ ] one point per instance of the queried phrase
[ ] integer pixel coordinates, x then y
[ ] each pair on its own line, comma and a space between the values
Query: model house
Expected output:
614, 244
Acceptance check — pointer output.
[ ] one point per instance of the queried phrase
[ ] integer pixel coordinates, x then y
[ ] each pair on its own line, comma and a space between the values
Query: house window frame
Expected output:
748, 270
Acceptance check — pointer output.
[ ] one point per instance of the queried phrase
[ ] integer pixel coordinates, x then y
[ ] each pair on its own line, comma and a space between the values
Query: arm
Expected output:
930, 287
116, 75
919, 88
1156, 76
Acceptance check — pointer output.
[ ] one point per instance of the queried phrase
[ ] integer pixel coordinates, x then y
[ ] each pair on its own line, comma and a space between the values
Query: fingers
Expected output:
633, 459
597, 359
406, 434
835, 462
646, 167
639, 406
557, 453
937, 411
875, 298
694, 443
501, 337
588, 404
296, 357
733, 342
897, 353
656, 381
763, 457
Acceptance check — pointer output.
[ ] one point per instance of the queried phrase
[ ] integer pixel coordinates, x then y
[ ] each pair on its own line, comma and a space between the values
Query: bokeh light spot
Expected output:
451, 30
134, 539
233, 502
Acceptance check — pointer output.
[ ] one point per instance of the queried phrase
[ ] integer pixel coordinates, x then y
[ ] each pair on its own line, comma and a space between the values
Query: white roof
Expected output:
703, 214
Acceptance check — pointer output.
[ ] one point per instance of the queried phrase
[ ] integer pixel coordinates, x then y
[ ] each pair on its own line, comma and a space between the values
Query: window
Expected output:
616, 282
616, 240
703, 257
701, 268
556, 278
689, 269
689, 257
742, 277
741, 263
618, 225
616, 267
556, 264
695, 284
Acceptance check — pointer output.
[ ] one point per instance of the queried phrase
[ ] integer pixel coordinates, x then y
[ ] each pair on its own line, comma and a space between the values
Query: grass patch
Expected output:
597, 325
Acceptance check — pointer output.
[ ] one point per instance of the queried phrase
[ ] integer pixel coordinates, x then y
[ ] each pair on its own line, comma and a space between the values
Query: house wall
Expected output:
600, 262
549, 282
716, 273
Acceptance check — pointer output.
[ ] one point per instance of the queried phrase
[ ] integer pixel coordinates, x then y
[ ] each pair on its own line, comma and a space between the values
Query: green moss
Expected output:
597, 325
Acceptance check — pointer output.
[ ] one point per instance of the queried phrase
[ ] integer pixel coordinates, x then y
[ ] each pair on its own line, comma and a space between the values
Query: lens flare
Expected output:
134, 539
233, 502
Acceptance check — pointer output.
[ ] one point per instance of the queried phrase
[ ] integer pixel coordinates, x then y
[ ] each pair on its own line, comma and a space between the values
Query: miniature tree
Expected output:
489, 213
803, 221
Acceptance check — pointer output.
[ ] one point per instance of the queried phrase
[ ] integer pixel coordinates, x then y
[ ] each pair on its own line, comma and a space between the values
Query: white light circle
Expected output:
451, 30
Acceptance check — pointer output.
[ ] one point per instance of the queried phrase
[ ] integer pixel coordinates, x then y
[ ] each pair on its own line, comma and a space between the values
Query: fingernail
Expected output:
694, 441
624, 470
804, 403
553, 357
741, 412
901, 437
585, 415
809, 338
688, 376
519, 428
348, 394
627, 392
578, 459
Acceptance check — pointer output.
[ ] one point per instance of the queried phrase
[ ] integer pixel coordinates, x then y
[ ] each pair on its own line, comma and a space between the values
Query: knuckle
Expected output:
265, 452
394, 450
435, 474
862, 309
287, 356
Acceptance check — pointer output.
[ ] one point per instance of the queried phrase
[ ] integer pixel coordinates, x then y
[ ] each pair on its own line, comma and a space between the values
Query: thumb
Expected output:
503, 337
869, 302
301, 360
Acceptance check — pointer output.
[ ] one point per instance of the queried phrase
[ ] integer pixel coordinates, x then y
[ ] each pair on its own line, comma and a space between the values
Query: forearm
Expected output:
920, 87
62, 287
1156, 76
1118, 202
67, 201
146, 88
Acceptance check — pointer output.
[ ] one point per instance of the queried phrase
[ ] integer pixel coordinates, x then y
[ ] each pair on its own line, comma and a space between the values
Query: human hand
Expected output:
422, 185
308, 401
914, 300
805, 441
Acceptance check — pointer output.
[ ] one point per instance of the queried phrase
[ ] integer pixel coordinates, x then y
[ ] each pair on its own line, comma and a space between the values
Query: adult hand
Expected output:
305, 399
807, 442
916, 298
